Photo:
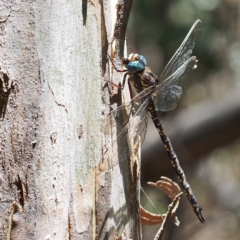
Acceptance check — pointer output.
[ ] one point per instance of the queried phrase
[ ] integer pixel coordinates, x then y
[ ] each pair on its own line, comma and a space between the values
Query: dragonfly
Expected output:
152, 94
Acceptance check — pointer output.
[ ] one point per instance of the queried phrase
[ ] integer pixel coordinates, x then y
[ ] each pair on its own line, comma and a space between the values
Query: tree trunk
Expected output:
53, 62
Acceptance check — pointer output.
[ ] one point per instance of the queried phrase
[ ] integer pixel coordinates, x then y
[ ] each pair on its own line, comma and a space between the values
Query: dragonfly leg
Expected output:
115, 85
118, 70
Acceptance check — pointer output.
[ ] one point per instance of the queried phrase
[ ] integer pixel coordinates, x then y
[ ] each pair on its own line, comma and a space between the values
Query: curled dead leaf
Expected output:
168, 186
173, 191
148, 218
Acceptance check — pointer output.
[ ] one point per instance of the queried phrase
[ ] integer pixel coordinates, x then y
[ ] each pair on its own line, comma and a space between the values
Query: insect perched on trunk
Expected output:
154, 94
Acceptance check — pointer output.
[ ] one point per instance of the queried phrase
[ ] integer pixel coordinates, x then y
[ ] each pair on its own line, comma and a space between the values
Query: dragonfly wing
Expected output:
183, 52
131, 125
168, 93
168, 99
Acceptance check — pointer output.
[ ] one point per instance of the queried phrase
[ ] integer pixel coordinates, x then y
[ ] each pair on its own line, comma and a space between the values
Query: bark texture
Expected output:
53, 59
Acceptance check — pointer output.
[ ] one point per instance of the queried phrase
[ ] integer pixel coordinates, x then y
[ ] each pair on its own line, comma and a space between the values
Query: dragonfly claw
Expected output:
199, 215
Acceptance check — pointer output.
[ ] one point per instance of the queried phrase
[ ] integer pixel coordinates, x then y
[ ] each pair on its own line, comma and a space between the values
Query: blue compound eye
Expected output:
143, 60
138, 65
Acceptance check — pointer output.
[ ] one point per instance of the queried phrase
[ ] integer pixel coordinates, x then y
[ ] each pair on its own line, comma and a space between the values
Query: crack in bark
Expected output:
20, 192
5, 90
59, 104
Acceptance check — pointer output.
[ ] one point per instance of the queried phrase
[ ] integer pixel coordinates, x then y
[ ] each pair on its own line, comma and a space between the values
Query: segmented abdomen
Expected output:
175, 163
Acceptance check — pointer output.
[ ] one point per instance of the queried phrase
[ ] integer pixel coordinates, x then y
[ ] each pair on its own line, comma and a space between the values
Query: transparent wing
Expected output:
183, 53
131, 125
168, 93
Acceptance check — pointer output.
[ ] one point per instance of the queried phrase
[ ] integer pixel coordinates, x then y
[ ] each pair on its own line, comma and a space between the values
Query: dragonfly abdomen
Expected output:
175, 163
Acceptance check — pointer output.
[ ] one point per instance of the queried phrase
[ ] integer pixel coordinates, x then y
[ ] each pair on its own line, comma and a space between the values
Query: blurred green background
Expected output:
205, 127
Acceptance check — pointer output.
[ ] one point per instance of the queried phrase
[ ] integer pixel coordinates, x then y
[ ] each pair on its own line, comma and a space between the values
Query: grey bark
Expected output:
53, 61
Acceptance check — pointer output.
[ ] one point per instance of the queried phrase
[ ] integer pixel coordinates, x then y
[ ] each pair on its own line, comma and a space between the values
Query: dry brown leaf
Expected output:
148, 218
172, 190
168, 186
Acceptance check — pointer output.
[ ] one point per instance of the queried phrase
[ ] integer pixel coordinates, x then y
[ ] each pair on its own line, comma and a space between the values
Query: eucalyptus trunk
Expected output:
53, 59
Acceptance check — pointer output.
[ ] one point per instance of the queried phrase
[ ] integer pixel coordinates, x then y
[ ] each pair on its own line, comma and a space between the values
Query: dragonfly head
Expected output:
134, 63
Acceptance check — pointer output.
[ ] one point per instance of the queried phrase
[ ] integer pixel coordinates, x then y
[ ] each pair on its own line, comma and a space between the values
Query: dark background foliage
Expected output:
205, 127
